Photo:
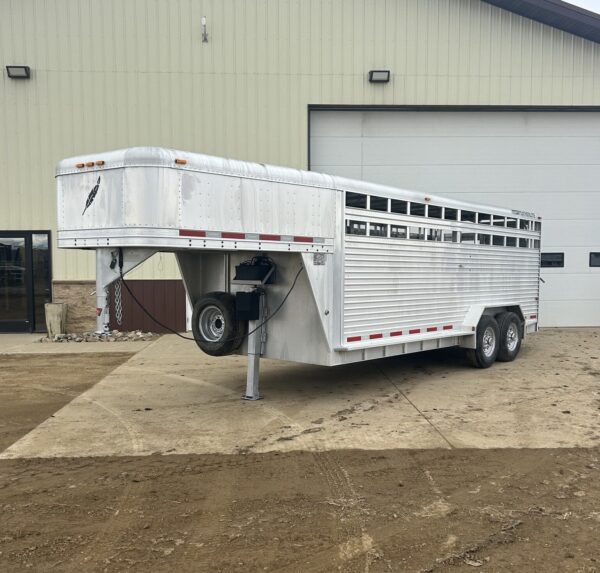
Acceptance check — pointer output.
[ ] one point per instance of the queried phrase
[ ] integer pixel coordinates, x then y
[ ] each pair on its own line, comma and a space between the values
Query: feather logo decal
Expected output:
91, 196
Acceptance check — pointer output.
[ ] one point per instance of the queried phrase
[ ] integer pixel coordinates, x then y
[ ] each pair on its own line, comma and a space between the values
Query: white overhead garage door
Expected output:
546, 162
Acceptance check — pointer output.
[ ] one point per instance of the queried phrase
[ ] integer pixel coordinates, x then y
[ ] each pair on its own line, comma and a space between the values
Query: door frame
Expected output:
30, 324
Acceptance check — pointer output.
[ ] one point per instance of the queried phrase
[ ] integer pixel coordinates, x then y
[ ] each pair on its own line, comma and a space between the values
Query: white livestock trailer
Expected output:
307, 267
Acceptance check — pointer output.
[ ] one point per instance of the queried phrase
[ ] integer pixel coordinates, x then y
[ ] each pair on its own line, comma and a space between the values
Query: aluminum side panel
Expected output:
392, 284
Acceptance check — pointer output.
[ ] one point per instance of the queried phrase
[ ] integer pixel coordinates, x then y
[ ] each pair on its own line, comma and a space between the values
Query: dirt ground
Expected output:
332, 510
32, 388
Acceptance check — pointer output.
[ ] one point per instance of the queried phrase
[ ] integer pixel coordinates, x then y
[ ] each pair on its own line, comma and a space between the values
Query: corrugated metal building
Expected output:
498, 102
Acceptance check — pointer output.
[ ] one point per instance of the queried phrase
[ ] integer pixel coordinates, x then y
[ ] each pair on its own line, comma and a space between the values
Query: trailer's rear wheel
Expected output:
215, 328
511, 335
488, 343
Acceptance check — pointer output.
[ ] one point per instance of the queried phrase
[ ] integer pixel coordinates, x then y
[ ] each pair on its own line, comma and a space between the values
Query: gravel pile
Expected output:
112, 336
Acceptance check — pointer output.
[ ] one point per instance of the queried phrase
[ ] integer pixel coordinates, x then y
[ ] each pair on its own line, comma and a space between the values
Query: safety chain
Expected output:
118, 302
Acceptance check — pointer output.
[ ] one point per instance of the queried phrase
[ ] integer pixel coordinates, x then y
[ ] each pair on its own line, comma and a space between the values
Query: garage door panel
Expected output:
487, 124
337, 123
479, 151
569, 312
350, 171
571, 233
488, 178
337, 150
560, 285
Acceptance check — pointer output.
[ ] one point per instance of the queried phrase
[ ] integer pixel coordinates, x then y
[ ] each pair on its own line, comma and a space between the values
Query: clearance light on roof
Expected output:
181, 161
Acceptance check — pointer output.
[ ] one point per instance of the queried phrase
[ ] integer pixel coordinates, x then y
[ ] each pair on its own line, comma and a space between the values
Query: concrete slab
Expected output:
170, 398
30, 344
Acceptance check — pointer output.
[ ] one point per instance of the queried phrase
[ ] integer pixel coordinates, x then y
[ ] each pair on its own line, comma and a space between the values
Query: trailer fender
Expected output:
474, 314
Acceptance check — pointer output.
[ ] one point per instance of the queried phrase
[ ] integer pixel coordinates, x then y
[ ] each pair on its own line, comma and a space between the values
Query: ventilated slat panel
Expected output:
403, 284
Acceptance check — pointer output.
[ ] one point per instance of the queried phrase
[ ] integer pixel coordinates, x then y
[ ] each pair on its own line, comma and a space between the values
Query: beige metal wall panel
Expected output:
116, 74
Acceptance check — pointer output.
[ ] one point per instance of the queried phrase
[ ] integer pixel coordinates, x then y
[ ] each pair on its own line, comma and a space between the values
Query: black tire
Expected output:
511, 335
488, 332
215, 328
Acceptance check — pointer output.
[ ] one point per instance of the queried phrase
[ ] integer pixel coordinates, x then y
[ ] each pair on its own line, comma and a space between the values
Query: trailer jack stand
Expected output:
256, 341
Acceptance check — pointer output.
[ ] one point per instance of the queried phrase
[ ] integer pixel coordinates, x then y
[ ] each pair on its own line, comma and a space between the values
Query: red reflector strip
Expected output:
227, 235
269, 237
414, 331
533, 316
431, 328
378, 335
396, 333
353, 338
303, 239
191, 233
448, 327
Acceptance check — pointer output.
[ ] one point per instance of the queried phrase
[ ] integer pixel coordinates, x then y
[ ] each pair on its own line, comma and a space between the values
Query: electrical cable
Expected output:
154, 319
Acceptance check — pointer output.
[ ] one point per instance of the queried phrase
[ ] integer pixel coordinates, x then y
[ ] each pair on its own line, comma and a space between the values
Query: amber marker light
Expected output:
79, 165
89, 164
100, 163
181, 161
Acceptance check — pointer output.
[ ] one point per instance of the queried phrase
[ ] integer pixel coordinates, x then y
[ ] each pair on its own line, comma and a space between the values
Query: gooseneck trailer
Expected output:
306, 267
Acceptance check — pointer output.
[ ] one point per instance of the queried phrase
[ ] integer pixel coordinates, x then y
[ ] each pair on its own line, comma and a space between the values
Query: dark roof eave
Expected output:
558, 14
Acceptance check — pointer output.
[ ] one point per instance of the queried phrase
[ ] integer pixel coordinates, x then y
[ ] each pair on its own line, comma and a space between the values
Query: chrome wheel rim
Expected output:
489, 341
211, 323
512, 337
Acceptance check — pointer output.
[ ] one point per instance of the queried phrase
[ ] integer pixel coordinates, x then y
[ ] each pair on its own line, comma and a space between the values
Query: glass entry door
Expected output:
25, 280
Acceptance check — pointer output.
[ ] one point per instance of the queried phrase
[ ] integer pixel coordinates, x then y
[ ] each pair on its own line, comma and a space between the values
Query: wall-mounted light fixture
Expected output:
204, 32
18, 72
379, 76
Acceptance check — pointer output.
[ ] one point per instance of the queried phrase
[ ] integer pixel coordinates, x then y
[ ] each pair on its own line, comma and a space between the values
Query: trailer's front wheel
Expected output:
488, 343
215, 328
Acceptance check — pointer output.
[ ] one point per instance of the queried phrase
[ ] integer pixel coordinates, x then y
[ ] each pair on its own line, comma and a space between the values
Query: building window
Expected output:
553, 260
356, 228
450, 214
484, 218
524, 224
434, 211
594, 259
468, 238
397, 231
398, 206
356, 200
483, 239
378, 203
377, 230
523, 243
511, 241
417, 209
468, 216
498, 241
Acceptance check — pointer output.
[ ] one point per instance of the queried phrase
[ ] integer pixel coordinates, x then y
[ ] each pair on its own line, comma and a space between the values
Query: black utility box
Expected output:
254, 272
247, 305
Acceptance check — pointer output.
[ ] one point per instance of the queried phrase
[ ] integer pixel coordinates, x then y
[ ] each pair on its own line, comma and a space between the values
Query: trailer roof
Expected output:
163, 157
